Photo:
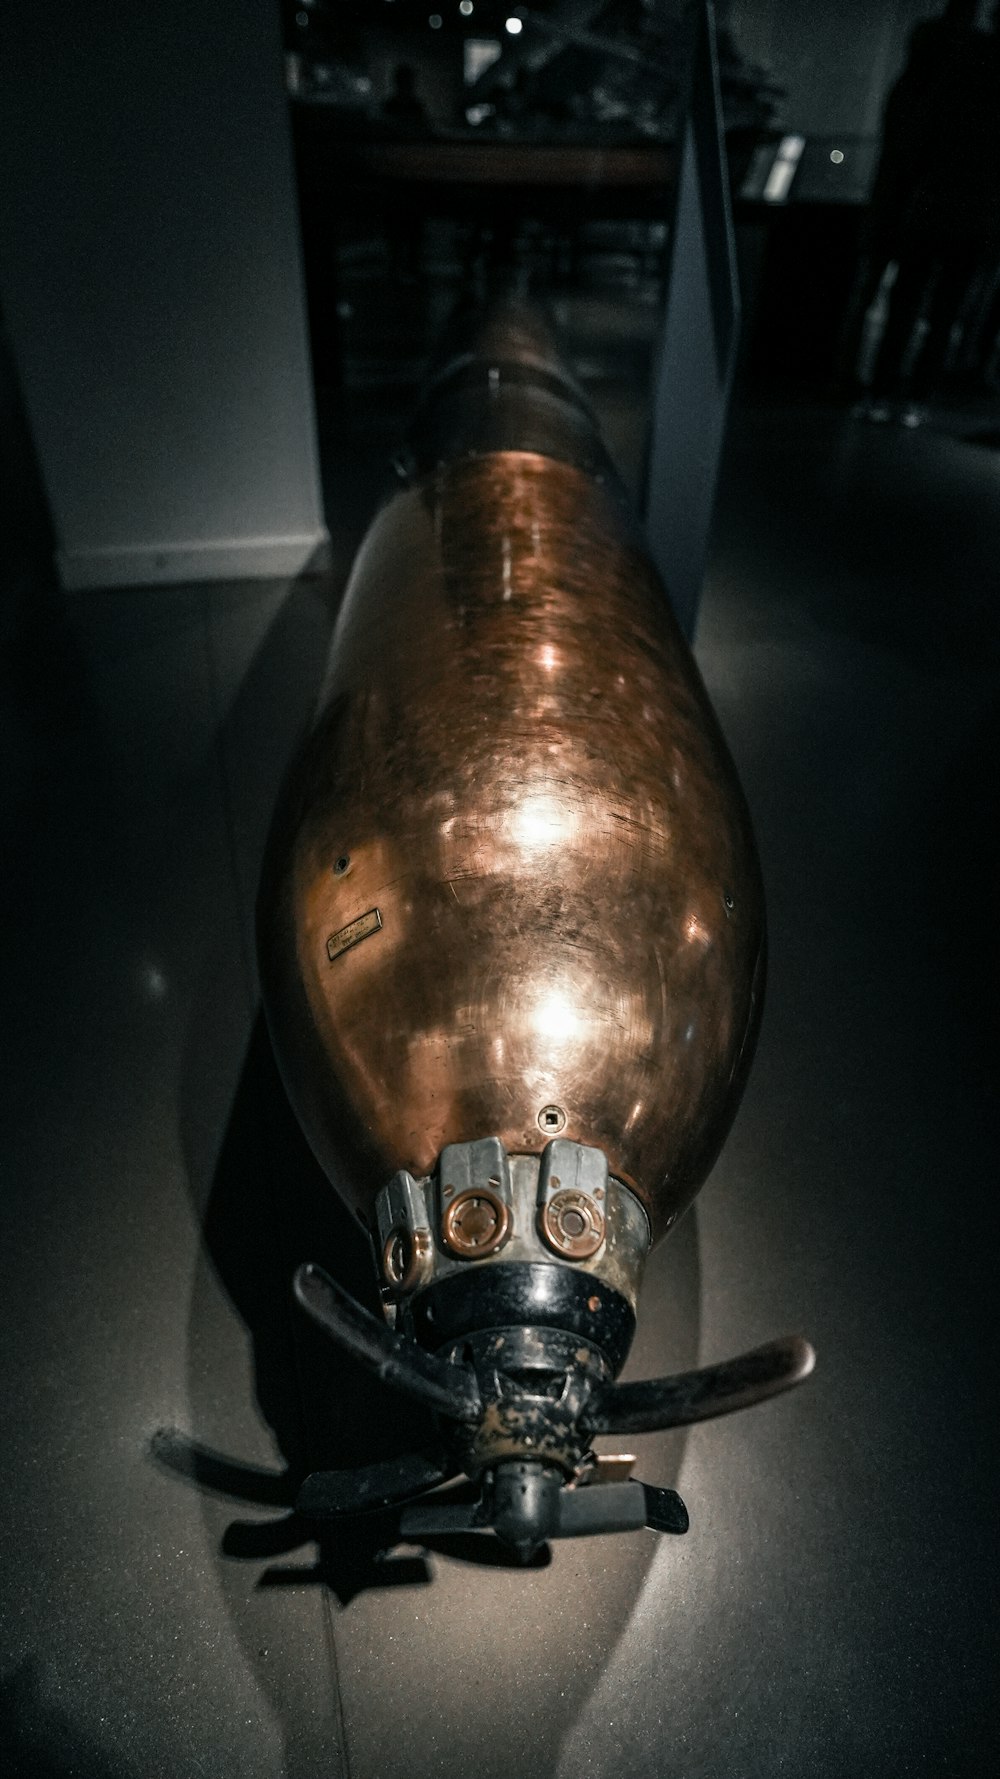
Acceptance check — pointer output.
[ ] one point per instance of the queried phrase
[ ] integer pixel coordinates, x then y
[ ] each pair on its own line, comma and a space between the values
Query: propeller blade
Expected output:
327, 1494
665, 1511
656, 1403
438, 1519
580, 1513
614, 1507
620, 1507
447, 1389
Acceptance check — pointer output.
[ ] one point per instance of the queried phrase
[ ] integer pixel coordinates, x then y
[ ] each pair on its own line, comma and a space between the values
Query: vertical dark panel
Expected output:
694, 368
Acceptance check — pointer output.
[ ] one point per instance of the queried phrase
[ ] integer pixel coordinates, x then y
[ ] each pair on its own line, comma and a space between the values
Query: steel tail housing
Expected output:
511, 934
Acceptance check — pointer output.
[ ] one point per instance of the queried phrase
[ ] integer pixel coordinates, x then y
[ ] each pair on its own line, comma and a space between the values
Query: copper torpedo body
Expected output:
512, 943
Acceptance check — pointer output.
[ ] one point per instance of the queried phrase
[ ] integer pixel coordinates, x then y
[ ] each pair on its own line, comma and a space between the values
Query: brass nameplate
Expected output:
353, 933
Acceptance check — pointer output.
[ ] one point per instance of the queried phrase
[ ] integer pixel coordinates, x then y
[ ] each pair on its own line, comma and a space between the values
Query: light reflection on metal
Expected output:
556, 1018
542, 819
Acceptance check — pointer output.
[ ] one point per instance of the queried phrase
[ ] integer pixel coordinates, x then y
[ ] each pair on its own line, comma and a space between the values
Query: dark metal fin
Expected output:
579, 1513
665, 1511
614, 1507
327, 1494
657, 1403
439, 1519
448, 1389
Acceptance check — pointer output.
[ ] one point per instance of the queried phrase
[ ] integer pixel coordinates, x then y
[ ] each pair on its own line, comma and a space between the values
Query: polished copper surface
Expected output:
517, 765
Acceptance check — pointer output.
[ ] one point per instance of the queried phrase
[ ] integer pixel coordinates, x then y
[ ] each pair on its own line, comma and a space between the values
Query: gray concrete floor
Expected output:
833, 1609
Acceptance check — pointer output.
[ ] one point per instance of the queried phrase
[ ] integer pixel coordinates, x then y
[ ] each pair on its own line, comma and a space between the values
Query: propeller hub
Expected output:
522, 1503
533, 1384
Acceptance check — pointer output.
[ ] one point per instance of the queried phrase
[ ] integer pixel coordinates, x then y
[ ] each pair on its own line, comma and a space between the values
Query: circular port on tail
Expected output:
572, 1226
475, 1224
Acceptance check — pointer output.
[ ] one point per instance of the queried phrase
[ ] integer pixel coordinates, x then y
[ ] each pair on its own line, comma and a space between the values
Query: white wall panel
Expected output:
151, 285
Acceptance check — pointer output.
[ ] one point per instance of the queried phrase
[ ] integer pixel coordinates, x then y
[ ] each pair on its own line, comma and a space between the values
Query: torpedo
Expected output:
512, 949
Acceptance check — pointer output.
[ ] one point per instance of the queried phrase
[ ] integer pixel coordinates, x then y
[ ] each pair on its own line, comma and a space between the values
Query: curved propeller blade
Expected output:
619, 1507
327, 1494
447, 1389
582, 1513
441, 1519
665, 1511
657, 1403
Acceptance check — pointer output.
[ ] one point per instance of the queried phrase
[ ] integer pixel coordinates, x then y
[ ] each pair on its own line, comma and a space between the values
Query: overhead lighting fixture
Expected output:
478, 54
514, 25
782, 173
